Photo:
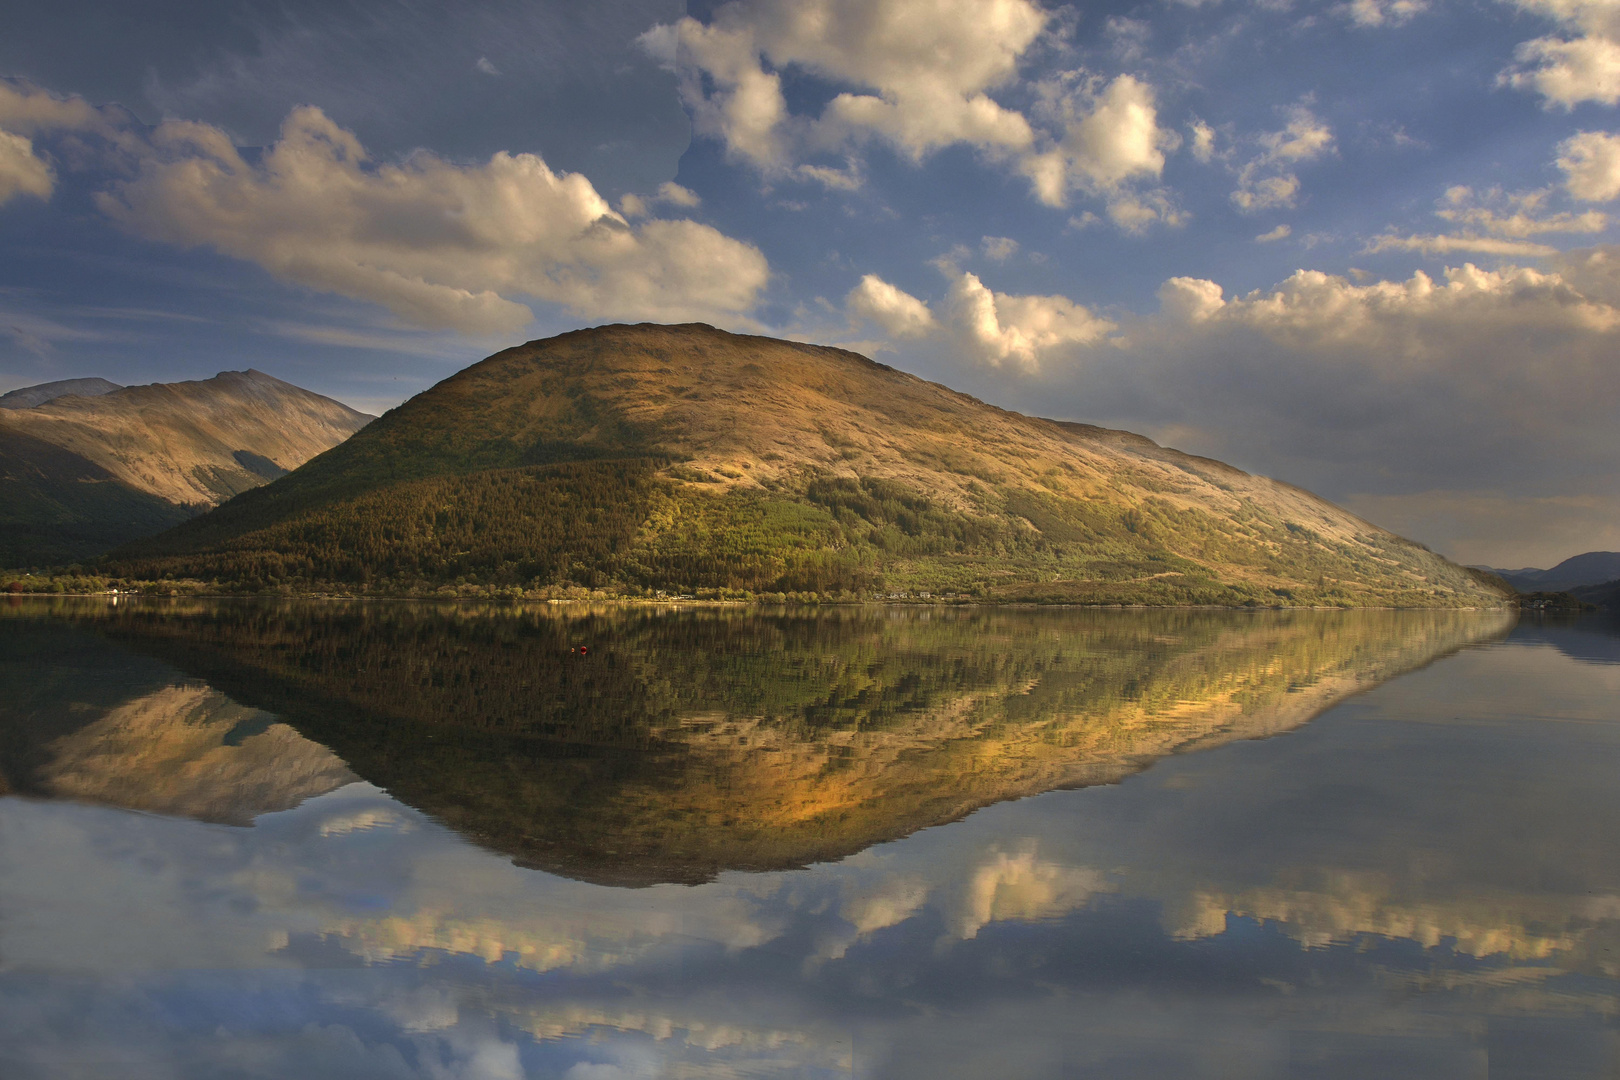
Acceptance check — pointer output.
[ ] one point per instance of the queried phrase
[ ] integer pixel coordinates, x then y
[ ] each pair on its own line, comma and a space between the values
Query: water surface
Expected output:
394, 840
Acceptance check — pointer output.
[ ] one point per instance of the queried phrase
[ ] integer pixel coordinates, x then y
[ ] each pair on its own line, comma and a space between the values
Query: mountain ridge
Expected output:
1586, 569
80, 474
28, 397
627, 460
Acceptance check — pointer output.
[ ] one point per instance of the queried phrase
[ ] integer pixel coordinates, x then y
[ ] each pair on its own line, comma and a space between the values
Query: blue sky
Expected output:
1365, 247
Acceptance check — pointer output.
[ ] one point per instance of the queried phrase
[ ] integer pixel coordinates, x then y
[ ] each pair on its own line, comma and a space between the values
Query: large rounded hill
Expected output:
637, 460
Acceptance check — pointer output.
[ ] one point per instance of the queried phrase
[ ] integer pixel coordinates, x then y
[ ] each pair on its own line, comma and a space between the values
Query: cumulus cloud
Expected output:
1271, 236
439, 244
1109, 136
922, 72
1267, 180
987, 328
1471, 381
1583, 66
900, 314
1017, 332
21, 171
923, 68
1591, 164
442, 245
1408, 318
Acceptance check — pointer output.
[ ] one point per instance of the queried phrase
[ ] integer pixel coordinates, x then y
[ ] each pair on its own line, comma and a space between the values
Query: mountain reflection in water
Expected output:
1419, 884
632, 746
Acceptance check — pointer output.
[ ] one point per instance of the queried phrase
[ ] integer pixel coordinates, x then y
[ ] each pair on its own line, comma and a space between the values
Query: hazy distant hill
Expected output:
30, 396
81, 474
1591, 568
682, 458
1604, 594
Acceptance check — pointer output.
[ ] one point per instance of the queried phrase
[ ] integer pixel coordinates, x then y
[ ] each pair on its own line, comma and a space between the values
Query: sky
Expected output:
1366, 247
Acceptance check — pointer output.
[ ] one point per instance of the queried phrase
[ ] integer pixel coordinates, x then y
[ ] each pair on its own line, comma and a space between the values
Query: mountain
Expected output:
83, 472
29, 396
1604, 594
630, 460
1591, 568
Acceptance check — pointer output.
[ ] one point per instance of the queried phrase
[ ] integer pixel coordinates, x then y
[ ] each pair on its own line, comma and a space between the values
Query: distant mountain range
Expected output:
1591, 568
634, 460
86, 465
30, 396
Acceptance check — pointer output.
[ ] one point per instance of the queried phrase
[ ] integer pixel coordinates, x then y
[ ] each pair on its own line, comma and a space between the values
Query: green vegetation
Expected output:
626, 528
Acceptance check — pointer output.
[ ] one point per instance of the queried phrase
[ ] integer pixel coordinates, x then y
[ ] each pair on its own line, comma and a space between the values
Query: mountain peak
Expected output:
634, 459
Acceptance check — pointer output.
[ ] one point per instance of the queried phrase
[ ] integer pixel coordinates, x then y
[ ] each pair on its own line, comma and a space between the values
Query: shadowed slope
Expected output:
635, 458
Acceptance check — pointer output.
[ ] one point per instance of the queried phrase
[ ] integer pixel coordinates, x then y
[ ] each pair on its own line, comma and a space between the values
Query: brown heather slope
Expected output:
631, 459
81, 474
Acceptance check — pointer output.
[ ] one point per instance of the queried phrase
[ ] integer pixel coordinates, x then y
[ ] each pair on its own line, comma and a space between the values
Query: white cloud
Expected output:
900, 314
1019, 887
484, 65
1110, 137
669, 194
1472, 381
1281, 232
1444, 245
1267, 181
1382, 12
998, 248
27, 112
917, 76
1306, 138
1394, 318
1591, 164
1203, 141
995, 330
1517, 215
439, 244
21, 171
1569, 70
675, 195
1494, 222
1019, 332
923, 69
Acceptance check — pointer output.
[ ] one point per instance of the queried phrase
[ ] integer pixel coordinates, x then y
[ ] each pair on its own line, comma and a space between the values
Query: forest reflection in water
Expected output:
1420, 882
631, 746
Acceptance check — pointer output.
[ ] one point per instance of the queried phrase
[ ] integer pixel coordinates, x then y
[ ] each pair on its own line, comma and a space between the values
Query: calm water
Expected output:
324, 840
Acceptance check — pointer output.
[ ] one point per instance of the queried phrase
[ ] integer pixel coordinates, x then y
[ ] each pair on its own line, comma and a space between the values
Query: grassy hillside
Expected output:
629, 460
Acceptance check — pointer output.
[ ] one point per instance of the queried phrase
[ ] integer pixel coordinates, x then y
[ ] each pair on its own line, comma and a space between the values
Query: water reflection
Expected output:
1421, 883
630, 746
